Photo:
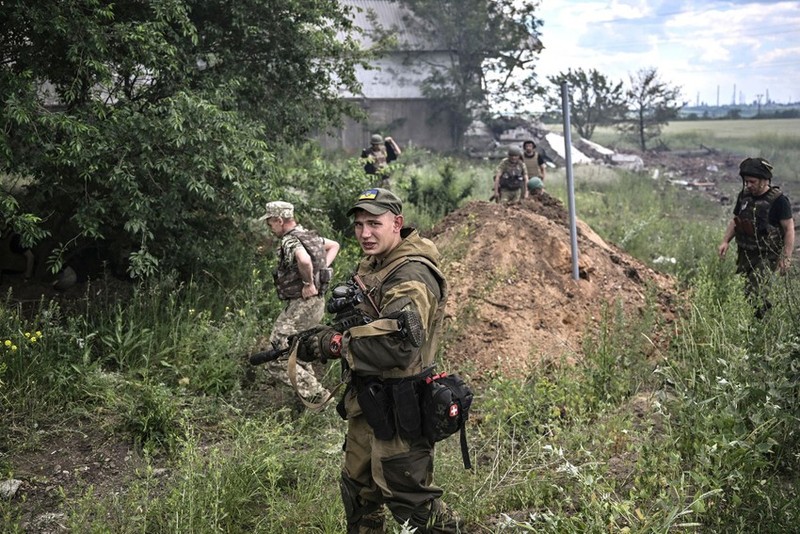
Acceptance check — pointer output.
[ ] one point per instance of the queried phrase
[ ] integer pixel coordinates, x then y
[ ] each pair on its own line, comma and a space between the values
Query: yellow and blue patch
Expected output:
369, 194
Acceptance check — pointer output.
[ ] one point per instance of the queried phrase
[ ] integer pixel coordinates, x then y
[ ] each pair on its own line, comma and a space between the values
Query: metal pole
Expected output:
573, 231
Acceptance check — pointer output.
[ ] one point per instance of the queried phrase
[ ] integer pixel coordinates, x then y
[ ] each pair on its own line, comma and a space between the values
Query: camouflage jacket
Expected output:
407, 279
512, 175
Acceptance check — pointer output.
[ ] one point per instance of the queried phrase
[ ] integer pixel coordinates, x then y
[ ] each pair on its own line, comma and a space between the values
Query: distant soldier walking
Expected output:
302, 275
511, 178
377, 157
534, 161
764, 230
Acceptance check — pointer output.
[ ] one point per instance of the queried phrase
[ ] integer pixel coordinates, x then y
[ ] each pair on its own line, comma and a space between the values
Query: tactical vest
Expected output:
532, 164
379, 158
288, 281
513, 178
753, 230
374, 284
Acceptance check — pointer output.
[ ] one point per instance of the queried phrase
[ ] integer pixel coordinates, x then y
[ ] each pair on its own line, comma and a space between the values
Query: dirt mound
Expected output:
509, 270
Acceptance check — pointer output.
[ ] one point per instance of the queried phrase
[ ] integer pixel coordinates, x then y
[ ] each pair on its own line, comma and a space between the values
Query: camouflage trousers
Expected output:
299, 315
395, 473
511, 195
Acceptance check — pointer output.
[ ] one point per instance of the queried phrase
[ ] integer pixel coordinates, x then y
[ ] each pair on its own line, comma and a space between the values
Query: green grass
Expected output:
778, 140
689, 425
724, 130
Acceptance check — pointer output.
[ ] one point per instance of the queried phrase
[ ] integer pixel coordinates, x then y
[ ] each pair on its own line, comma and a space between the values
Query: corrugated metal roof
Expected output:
396, 77
386, 15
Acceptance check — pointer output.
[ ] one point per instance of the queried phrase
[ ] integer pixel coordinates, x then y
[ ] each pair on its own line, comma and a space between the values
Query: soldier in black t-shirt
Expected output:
763, 227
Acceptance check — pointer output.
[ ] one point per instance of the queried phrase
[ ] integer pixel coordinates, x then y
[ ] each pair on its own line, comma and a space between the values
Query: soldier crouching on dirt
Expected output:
302, 275
764, 230
388, 461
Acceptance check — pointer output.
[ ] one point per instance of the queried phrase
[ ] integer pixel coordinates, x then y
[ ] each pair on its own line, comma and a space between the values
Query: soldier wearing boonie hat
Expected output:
278, 208
764, 230
301, 277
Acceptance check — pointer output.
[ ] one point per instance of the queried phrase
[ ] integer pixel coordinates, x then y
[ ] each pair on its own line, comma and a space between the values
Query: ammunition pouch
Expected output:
406, 398
433, 406
376, 405
512, 182
324, 276
392, 407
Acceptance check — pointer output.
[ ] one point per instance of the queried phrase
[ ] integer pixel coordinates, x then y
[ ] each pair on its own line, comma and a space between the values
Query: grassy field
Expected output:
778, 140
736, 129
717, 129
683, 426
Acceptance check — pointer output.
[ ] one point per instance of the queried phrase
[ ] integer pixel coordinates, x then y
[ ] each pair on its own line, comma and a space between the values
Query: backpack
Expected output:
445, 409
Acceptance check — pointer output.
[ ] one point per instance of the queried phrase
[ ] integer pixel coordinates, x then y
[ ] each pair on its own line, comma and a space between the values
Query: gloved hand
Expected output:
319, 343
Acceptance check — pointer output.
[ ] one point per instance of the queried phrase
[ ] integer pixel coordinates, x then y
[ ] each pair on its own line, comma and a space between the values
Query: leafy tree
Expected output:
652, 103
484, 43
156, 125
594, 99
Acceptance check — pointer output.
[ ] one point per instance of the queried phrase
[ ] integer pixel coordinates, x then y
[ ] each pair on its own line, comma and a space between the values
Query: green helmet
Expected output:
534, 184
376, 139
515, 151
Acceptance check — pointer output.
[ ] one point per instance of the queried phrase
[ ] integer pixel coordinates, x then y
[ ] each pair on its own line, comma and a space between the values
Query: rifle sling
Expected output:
378, 327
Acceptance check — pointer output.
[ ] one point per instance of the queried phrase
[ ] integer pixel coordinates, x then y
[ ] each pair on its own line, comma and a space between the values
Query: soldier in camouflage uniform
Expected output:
511, 178
301, 277
388, 461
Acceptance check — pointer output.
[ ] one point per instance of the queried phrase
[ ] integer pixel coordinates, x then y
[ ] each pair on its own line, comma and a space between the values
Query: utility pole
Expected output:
758, 110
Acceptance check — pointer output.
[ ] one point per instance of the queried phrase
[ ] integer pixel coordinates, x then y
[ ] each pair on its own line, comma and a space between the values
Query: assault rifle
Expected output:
344, 299
343, 304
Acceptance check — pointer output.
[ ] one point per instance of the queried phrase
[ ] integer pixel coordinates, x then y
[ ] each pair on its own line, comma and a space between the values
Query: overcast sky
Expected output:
696, 44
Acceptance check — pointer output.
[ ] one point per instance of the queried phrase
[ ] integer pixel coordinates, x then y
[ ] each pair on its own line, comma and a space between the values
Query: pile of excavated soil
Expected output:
513, 301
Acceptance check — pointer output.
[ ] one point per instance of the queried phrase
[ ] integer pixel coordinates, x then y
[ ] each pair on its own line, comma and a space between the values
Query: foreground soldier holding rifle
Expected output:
386, 328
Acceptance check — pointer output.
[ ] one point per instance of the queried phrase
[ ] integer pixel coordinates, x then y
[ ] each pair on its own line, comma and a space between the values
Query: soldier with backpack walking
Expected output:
377, 157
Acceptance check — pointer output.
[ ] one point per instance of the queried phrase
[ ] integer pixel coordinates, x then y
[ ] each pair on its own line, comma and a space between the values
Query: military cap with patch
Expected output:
377, 202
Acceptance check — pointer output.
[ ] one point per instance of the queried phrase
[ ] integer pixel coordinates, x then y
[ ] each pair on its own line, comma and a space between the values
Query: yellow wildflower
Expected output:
7, 343
33, 339
13, 347
39, 334
27, 334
